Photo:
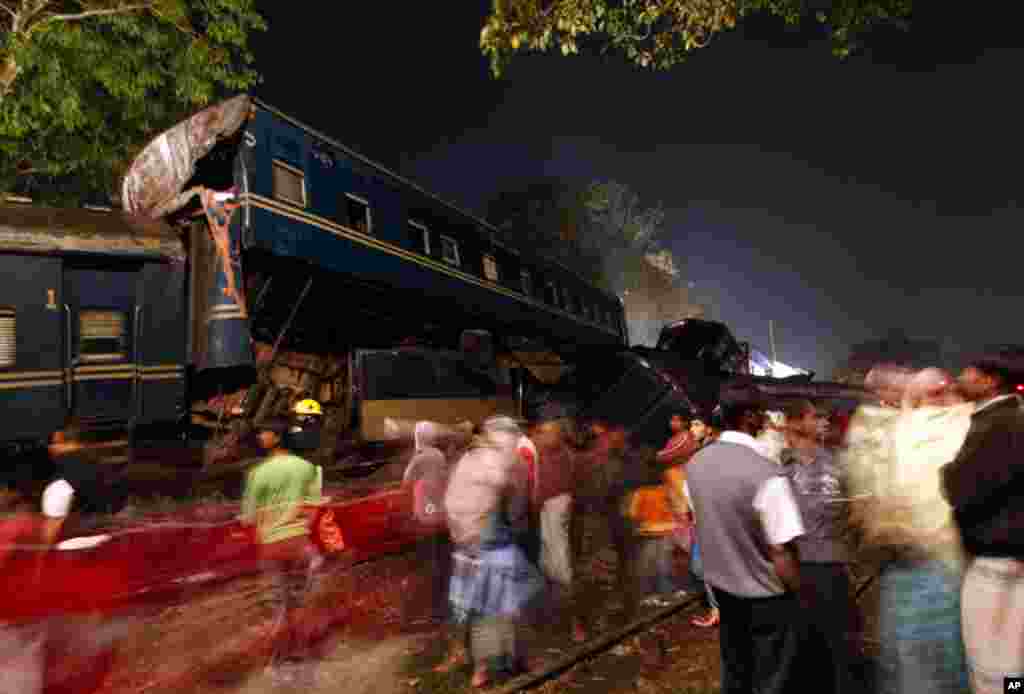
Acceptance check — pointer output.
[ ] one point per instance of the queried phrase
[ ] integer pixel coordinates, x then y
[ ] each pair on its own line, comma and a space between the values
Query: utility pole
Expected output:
771, 338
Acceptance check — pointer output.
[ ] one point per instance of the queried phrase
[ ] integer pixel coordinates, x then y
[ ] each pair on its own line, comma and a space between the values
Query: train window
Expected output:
457, 379
8, 337
289, 184
358, 213
399, 375
420, 236
491, 268
102, 335
527, 282
570, 301
551, 294
450, 251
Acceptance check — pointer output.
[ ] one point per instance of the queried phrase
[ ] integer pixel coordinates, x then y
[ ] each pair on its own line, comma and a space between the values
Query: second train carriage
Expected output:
92, 326
309, 271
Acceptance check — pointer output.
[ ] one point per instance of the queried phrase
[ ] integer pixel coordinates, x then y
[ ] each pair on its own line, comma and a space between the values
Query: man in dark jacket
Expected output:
985, 486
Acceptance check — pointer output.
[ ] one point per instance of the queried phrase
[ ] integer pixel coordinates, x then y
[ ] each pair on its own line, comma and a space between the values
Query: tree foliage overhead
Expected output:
544, 216
622, 233
84, 84
601, 231
660, 33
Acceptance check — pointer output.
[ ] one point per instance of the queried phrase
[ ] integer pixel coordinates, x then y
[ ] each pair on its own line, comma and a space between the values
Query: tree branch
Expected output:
97, 13
14, 15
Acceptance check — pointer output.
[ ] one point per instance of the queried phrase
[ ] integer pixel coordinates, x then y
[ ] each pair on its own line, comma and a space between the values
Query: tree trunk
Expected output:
8, 73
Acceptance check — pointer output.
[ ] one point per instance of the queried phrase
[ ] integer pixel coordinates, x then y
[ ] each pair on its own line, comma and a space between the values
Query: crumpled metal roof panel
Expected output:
34, 229
153, 186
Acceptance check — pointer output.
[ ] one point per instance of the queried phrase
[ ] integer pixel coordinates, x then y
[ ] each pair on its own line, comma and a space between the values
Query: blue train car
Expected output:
298, 273
398, 256
339, 256
92, 324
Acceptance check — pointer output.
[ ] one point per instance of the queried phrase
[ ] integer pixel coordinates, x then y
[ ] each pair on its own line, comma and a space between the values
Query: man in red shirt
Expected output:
681, 445
555, 486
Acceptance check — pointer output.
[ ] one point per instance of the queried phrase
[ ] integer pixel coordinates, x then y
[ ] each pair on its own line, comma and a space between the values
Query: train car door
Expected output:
101, 303
160, 353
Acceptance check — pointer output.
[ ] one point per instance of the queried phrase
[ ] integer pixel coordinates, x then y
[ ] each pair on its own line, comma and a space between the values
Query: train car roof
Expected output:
52, 230
495, 233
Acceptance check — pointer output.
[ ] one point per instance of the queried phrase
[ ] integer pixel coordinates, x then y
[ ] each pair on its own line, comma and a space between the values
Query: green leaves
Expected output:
658, 33
96, 79
601, 232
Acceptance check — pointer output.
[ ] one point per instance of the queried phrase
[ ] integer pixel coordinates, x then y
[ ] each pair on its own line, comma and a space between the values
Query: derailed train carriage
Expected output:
258, 262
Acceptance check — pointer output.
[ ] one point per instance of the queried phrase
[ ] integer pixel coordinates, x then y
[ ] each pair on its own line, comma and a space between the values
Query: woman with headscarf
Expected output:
493, 583
426, 478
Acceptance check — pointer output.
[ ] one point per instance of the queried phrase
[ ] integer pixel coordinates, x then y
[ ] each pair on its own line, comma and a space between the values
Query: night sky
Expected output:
842, 200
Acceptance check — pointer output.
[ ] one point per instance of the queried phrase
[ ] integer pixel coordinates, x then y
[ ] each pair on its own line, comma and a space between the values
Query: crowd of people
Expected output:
916, 486
771, 510
513, 502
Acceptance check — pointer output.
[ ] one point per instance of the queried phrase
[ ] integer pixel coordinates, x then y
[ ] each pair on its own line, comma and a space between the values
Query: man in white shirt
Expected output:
747, 520
78, 496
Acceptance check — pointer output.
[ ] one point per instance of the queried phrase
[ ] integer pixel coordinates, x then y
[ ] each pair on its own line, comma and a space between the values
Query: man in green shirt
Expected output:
276, 491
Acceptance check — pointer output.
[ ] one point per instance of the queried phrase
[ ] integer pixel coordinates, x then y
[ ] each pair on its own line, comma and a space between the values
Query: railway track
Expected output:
596, 646
607, 642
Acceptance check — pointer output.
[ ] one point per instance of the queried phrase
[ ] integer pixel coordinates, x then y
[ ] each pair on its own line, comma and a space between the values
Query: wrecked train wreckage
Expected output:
696, 366
258, 262
317, 273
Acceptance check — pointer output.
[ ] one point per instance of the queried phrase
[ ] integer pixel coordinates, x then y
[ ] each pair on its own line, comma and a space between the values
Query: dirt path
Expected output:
354, 667
381, 640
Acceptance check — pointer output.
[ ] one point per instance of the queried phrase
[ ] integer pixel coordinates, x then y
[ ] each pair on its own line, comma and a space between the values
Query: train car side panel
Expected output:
32, 388
162, 338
